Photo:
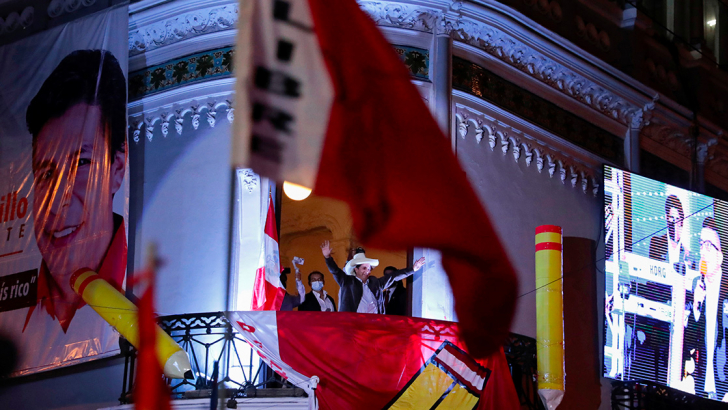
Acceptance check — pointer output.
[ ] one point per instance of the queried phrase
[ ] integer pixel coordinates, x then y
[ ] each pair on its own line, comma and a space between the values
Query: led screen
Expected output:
666, 299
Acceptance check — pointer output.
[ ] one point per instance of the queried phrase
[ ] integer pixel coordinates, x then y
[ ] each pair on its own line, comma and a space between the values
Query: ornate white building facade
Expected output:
536, 96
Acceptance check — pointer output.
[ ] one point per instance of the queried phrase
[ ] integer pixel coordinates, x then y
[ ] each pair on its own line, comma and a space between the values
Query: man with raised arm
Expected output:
360, 292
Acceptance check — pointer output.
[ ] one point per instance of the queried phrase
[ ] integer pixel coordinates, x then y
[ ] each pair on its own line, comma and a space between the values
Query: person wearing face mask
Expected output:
359, 291
669, 247
317, 300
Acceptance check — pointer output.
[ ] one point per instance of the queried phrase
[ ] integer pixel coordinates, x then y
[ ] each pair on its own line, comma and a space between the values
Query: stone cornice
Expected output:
499, 131
174, 110
553, 63
23, 18
170, 23
504, 37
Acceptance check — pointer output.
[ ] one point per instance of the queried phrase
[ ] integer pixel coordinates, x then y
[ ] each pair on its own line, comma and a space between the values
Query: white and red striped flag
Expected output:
268, 290
331, 106
365, 362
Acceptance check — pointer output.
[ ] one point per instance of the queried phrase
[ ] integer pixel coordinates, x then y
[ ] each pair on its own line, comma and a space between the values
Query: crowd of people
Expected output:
359, 290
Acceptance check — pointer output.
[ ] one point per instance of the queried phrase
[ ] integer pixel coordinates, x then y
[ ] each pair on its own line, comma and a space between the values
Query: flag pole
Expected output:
231, 242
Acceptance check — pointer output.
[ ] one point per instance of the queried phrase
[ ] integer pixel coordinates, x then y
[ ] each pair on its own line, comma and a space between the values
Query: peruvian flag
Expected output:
331, 106
268, 290
151, 392
356, 361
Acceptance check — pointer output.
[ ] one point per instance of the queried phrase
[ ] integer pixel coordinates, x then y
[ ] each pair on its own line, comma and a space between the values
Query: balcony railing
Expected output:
208, 338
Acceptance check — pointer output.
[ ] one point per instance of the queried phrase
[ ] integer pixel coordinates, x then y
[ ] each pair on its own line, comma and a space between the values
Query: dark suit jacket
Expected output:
694, 338
310, 304
397, 304
352, 288
658, 248
720, 359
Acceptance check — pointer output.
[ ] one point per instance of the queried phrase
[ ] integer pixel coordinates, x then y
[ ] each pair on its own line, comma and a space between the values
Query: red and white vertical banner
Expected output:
268, 290
288, 88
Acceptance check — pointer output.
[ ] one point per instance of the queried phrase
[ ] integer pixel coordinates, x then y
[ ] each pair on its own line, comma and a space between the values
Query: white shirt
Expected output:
711, 323
368, 303
301, 290
324, 301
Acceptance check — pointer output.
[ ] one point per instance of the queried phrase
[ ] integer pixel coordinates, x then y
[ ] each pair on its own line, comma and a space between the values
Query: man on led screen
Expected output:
711, 258
669, 247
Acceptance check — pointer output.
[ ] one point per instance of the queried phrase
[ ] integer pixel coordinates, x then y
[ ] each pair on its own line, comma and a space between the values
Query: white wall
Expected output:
518, 199
186, 214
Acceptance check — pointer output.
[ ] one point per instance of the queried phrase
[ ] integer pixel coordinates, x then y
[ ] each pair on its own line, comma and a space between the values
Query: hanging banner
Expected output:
63, 186
363, 361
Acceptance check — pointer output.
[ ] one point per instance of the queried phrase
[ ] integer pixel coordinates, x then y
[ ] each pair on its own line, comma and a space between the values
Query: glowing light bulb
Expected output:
711, 23
296, 192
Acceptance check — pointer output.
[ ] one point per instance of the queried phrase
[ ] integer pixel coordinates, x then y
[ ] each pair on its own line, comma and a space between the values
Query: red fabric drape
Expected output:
385, 156
364, 360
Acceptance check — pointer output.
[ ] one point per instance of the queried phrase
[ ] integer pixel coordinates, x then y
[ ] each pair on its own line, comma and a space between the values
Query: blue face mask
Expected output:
317, 286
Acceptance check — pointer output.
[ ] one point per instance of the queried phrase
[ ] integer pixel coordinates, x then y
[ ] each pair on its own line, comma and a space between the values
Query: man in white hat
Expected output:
359, 292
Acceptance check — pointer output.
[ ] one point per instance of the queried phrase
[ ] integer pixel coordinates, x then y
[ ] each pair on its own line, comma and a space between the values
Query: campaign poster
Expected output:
63, 186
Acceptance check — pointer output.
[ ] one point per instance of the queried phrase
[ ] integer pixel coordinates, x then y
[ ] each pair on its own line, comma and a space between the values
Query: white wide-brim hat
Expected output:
359, 259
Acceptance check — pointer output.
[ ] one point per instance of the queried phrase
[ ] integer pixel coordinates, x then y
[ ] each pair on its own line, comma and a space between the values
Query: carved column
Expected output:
428, 298
697, 30
441, 80
639, 119
702, 156
722, 33
632, 143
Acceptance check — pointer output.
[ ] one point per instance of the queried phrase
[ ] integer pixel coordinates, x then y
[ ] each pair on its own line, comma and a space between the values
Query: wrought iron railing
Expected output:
208, 338
521, 356
639, 395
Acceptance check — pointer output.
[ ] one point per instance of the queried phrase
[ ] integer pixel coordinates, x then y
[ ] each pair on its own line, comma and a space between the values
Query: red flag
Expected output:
378, 361
268, 290
150, 390
384, 154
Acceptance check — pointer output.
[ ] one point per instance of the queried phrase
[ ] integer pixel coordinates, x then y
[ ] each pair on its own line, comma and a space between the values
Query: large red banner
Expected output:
365, 361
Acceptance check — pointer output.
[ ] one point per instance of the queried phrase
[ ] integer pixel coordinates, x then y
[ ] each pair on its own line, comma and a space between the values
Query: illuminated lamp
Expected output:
296, 192
711, 23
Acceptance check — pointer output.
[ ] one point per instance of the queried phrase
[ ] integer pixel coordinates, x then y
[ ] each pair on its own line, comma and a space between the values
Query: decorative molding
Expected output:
522, 144
188, 25
57, 8
594, 35
517, 54
642, 117
705, 151
249, 179
503, 46
416, 59
180, 72
668, 136
183, 114
14, 21
406, 16
485, 85
185, 107
23, 19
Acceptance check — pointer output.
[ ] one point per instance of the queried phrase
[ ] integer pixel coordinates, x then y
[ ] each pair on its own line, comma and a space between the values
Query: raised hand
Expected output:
419, 263
326, 249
